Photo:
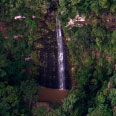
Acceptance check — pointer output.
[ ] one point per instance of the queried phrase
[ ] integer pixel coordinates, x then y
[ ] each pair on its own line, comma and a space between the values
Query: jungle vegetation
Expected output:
92, 50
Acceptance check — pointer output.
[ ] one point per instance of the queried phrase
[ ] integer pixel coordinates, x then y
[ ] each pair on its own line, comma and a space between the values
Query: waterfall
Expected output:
61, 66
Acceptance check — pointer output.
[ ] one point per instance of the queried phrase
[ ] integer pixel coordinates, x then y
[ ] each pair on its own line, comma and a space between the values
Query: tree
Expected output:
9, 101
28, 91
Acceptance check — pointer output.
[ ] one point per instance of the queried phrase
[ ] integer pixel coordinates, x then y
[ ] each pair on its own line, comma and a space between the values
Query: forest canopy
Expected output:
92, 52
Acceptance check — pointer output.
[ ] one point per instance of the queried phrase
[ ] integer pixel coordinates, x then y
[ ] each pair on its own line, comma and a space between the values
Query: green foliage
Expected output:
12, 55
39, 111
113, 79
57, 112
31, 23
87, 6
101, 98
23, 7
101, 110
84, 74
104, 3
82, 36
98, 32
92, 71
28, 91
15, 89
113, 7
112, 96
10, 101
94, 7
110, 45
69, 102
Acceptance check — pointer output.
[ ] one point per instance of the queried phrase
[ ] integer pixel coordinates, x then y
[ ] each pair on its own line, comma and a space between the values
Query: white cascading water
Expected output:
61, 66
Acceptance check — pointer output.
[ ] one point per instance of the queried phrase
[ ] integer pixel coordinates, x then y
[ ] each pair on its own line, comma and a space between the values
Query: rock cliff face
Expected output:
46, 49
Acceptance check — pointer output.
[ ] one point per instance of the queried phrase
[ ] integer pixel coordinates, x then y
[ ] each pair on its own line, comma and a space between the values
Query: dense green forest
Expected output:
92, 51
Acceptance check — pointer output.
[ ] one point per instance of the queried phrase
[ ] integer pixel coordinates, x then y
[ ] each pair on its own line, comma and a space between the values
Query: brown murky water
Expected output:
52, 95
